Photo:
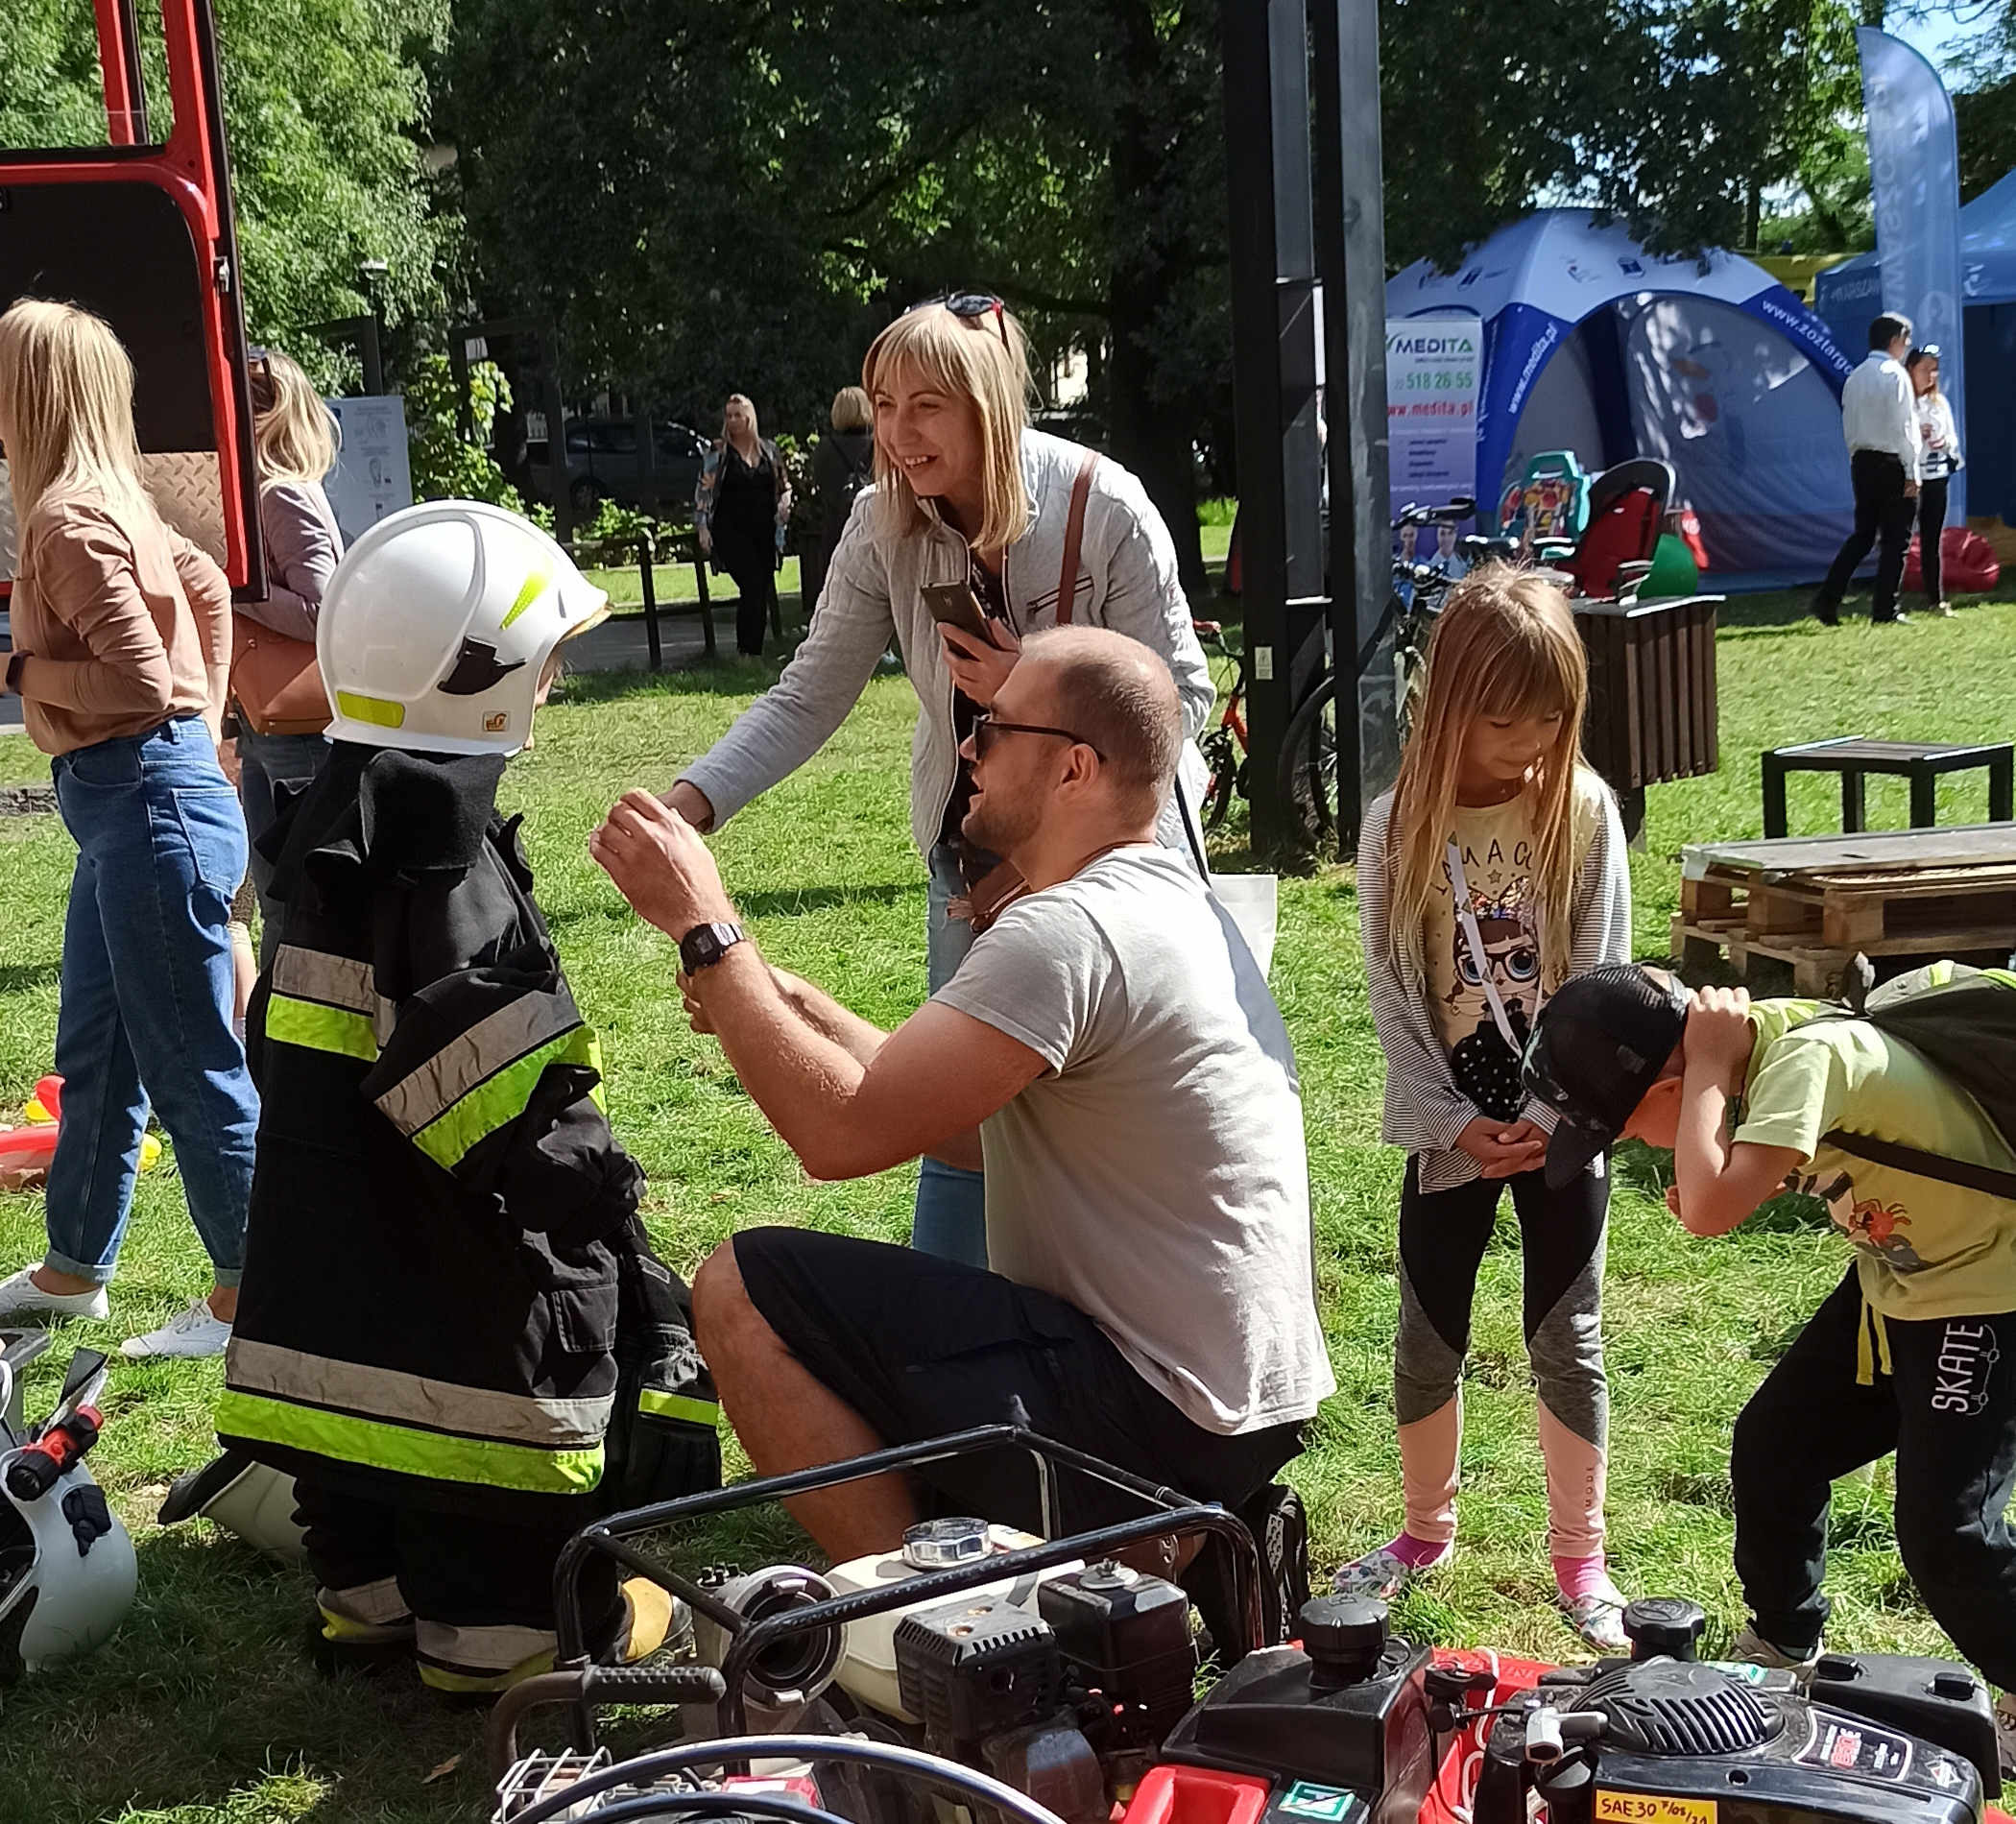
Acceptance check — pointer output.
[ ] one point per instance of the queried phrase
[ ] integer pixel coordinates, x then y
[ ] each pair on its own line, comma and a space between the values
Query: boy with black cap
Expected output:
1914, 1351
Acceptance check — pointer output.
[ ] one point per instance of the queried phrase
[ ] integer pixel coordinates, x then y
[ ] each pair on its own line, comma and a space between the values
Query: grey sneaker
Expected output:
1382, 1573
1599, 1616
22, 1297
2005, 1734
1751, 1648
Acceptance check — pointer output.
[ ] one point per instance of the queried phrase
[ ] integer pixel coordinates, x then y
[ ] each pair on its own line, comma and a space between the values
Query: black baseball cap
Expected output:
1599, 1045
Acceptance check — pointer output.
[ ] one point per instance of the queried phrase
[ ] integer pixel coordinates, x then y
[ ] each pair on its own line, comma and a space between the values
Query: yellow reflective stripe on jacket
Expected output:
317, 1027
433, 1456
440, 1406
326, 1004
678, 1405
502, 1098
471, 1058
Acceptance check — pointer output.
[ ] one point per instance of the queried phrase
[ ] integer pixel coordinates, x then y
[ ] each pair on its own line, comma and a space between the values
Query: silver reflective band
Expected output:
442, 1406
472, 1057
335, 981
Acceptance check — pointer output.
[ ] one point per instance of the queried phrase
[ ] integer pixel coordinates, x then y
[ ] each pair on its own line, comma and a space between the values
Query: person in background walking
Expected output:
843, 467
122, 634
296, 443
1940, 441
739, 508
1881, 424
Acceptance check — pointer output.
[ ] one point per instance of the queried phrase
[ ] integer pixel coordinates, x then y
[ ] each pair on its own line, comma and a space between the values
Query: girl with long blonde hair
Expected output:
121, 654
1493, 870
297, 440
974, 507
741, 506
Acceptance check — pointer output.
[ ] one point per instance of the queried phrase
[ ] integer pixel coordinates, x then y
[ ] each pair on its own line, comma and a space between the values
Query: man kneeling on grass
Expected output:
1111, 1047
1915, 1349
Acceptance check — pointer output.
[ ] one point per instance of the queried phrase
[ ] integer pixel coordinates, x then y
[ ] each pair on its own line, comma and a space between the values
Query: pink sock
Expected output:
1577, 1577
1417, 1554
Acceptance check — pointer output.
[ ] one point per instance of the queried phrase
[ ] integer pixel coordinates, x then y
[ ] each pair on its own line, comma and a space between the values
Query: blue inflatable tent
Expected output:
1847, 295
1592, 345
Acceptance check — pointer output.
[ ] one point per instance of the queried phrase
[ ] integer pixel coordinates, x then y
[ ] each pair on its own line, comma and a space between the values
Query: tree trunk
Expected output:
1151, 434
1753, 212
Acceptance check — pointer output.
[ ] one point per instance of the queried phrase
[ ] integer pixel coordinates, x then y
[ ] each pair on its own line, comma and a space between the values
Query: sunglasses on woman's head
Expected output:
970, 307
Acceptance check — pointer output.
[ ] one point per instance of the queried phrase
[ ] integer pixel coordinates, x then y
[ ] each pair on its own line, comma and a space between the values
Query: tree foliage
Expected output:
324, 103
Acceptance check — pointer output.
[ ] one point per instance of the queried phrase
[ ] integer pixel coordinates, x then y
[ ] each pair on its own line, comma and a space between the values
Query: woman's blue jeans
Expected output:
950, 1220
264, 762
147, 990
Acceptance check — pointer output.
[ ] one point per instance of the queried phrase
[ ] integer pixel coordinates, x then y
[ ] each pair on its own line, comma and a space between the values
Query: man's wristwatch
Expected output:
707, 944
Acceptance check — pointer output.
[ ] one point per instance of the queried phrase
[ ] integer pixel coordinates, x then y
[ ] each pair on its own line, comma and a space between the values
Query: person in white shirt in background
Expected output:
1881, 423
1940, 441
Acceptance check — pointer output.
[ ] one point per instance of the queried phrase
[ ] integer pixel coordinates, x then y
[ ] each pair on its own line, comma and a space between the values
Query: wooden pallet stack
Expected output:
1805, 905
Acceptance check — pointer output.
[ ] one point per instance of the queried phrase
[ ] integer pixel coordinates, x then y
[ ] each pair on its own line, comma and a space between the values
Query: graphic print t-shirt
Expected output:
1497, 845
1923, 1248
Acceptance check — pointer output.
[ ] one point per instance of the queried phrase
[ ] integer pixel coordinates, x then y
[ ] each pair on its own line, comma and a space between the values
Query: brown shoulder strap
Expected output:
1073, 533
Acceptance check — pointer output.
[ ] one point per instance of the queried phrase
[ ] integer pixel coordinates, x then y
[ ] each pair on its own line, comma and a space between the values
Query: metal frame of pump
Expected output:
576, 1680
191, 167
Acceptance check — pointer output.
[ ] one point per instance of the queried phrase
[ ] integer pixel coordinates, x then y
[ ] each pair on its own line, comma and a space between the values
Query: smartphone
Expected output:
954, 605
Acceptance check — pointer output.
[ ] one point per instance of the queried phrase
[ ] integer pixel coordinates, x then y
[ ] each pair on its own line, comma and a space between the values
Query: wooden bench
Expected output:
1921, 762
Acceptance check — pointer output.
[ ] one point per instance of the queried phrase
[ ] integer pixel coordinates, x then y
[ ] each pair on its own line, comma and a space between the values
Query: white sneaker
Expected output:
22, 1297
196, 1332
1751, 1648
1382, 1574
2005, 1733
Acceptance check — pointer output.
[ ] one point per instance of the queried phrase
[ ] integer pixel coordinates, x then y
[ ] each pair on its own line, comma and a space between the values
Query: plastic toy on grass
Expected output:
25, 1150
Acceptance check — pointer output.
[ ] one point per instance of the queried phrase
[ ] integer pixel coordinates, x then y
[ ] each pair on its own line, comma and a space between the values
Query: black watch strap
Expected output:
707, 944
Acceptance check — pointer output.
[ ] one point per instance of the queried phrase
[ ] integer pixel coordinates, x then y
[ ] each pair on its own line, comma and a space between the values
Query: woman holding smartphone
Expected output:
958, 550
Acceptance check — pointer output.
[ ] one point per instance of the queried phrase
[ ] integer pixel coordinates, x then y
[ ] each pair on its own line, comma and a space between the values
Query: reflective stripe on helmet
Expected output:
679, 1406
437, 1456
529, 591
381, 712
441, 1405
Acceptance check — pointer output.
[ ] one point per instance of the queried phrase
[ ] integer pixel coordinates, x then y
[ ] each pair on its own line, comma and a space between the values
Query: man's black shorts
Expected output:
920, 1347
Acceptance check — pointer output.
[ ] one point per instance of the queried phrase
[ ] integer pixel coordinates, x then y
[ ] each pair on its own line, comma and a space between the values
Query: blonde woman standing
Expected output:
843, 467
122, 654
964, 492
296, 445
1939, 438
740, 507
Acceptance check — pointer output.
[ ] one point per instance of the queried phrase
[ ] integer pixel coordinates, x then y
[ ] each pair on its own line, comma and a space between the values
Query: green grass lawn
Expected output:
203, 1710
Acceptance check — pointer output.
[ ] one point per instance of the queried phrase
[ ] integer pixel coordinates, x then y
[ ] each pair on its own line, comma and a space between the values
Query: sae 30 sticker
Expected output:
1651, 1807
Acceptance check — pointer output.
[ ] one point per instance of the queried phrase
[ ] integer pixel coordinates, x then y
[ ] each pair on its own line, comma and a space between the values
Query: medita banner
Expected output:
1434, 367
1914, 174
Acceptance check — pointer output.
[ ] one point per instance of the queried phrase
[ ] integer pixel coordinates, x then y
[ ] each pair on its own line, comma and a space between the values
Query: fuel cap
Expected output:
938, 1545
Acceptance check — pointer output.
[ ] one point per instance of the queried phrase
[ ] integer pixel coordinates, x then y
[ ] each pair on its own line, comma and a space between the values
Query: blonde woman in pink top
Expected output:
121, 657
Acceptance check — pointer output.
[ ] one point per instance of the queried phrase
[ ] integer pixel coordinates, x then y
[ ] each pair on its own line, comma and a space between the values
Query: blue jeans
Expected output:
147, 988
263, 759
950, 1220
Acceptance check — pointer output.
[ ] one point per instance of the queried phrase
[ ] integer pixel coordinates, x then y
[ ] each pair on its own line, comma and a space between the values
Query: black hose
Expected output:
649, 1804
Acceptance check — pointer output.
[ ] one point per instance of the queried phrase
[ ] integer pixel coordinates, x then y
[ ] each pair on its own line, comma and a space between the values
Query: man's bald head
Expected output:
1117, 695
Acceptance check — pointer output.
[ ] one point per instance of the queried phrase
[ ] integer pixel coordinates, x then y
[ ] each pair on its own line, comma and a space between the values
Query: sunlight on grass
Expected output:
204, 1711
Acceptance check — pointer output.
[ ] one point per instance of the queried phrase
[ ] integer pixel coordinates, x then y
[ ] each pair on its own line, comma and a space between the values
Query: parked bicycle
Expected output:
1310, 748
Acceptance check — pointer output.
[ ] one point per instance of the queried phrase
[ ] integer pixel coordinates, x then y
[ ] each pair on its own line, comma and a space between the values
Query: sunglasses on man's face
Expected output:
987, 726
971, 306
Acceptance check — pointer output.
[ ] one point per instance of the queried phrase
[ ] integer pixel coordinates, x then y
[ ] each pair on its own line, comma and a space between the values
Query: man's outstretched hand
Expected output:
660, 866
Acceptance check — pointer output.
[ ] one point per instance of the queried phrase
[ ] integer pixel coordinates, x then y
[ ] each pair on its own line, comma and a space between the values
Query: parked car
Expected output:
610, 458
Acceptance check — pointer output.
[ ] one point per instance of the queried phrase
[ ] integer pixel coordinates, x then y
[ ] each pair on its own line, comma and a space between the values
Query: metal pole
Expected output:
1274, 312
1351, 256
645, 557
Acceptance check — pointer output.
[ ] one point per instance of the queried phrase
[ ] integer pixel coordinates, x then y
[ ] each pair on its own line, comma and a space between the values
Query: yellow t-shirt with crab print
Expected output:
1923, 1248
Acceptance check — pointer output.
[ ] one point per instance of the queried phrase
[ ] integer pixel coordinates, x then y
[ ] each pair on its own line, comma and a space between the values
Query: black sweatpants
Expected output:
479, 1593
1882, 510
1948, 1409
1931, 522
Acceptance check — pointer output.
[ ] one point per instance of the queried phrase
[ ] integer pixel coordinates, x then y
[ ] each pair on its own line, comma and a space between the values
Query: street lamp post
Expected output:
370, 339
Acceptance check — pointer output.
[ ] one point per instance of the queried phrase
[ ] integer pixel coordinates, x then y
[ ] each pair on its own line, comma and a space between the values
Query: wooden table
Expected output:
1921, 762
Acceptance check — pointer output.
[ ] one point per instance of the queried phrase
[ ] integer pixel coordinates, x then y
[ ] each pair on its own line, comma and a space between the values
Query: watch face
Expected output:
707, 944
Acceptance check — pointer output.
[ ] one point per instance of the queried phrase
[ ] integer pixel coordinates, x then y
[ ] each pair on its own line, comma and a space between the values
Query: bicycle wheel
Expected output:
1221, 754
1309, 756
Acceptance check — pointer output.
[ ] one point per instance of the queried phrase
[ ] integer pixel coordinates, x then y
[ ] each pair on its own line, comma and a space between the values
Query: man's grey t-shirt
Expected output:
1155, 1175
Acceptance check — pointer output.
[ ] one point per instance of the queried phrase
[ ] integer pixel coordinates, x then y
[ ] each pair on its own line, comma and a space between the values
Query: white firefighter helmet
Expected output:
438, 623
67, 1571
